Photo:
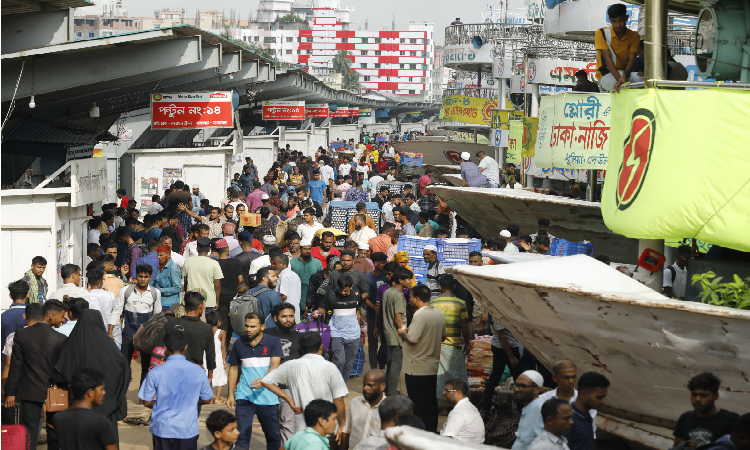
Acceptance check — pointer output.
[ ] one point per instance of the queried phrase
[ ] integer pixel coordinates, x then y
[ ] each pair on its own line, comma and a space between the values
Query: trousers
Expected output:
31, 416
175, 444
344, 354
127, 350
286, 419
421, 391
607, 83
394, 370
269, 423
377, 356
499, 361
226, 325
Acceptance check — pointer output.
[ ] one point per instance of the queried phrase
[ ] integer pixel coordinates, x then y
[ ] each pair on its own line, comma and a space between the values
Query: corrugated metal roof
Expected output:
21, 7
57, 133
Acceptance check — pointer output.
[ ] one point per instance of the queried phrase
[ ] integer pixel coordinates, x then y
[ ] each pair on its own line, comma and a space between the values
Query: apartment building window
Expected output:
366, 78
288, 52
413, 66
387, 78
402, 41
377, 52
401, 66
309, 39
91, 34
256, 38
299, 39
364, 65
423, 80
426, 41
377, 40
424, 67
269, 40
377, 65
363, 52
78, 34
394, 91
410, 79
412, 53
412, 41
344, 40
290, 39
364, 40
299, 52
412, 92
402, 53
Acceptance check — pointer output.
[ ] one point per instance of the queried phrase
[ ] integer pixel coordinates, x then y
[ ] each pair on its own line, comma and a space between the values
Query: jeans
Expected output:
344, 353
31, 415
607, 83
175, 444
269, 423
499, 361
226, 325
421, 391
394, 371
377, 356
127, 350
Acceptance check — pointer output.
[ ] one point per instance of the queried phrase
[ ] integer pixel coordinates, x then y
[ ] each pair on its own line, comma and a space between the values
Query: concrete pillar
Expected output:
534, 100
657, 245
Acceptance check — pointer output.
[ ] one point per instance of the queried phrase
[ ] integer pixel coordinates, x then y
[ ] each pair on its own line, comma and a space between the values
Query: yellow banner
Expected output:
459, 108
515, 141
573, 131
678, 166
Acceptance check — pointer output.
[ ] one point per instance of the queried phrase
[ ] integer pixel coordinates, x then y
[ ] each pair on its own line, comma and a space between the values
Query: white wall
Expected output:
344, 132
207, 166
263, 150
30, 226
379, 128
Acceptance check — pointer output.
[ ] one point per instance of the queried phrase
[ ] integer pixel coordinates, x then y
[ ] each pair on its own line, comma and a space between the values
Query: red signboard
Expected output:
316, 110
191, 110
353, 112
340, 112
278, 110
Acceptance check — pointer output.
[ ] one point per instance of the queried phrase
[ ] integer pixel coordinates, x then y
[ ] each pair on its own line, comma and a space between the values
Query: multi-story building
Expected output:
400, 62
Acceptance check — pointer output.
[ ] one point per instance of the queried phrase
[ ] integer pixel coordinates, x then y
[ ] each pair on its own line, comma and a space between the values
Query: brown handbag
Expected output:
57, 399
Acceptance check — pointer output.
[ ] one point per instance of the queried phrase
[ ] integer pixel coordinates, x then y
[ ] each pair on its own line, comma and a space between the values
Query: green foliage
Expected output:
291, 18
734, 294
349, 77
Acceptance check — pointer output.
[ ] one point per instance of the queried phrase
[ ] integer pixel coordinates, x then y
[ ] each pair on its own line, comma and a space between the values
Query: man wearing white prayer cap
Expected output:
305, 266
471, 174
268, 241
526, 394
509, 248
435, 270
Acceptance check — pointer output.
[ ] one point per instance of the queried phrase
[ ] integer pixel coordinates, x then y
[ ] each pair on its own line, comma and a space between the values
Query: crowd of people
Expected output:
317, 294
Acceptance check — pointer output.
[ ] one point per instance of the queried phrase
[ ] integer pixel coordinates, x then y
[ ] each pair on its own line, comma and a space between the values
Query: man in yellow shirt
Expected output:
616, 50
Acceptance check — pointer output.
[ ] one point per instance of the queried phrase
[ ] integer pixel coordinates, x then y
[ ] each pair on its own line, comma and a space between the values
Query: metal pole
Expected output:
655, 52
534, 100
656, 41
591, 178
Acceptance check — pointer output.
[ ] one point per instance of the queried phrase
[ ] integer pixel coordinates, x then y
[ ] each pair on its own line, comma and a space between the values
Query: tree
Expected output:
349, 77
291, 18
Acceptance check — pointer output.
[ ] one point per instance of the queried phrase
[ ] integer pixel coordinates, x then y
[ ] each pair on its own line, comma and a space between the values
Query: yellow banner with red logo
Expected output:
460, 108
521, 138
678, 166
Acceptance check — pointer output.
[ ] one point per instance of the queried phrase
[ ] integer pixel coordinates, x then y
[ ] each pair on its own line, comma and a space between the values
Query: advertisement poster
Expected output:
573, 131
179, 111
316, 110
280, 110
170, 176
342, 111
459, 108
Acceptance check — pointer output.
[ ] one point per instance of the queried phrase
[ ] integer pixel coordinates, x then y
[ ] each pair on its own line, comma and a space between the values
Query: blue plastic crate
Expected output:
414, 245
457, 248
561, 247
454, 262
418, 265
411, 160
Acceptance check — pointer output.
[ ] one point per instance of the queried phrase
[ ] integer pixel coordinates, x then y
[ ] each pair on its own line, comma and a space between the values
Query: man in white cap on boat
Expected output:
471, 174
509, 248
526, 395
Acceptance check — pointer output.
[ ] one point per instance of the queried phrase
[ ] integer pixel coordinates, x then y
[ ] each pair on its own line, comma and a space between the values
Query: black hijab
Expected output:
90, 347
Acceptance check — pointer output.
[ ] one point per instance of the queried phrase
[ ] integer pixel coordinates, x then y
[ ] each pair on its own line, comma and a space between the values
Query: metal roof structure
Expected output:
30, 6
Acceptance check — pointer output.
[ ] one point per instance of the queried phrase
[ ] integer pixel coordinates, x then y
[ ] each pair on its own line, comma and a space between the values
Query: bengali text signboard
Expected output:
557, 72
365, 113
176, 111
316, 110
460, 108
280, 110
573, 131
353, 112
340, 112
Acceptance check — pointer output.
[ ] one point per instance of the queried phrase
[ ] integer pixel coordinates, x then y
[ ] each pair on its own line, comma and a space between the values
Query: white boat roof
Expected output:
512, 258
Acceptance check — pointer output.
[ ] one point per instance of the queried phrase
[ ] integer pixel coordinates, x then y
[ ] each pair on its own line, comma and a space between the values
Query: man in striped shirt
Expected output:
457, 345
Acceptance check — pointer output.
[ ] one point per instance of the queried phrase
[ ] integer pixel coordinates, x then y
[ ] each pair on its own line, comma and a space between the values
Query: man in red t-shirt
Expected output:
123, 198
424, 181
326, 248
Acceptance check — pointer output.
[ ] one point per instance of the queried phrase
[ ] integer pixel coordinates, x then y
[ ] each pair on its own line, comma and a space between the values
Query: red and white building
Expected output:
398, 62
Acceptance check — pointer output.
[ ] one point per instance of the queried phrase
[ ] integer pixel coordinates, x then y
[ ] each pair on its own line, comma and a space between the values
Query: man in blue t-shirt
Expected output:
317, 188
257, 355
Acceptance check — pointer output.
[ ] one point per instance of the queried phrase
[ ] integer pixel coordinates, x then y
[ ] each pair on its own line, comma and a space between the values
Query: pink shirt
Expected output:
254, 200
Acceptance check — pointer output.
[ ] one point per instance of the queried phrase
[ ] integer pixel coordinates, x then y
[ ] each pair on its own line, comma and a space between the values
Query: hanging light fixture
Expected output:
94, 111
32, 104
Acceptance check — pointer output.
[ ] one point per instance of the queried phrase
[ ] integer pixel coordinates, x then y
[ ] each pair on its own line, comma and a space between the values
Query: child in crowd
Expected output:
223, 427
219, 380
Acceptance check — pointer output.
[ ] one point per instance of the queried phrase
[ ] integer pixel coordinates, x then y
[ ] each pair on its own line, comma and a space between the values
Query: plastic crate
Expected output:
414, 245
561, 247
342, 212
418, 265
457, 248
394, 187
410, 170
453, 262
411, 160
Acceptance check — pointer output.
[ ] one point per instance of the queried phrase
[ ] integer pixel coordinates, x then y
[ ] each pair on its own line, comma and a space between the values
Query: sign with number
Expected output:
316, 110
340, 112
278, 110
176, 111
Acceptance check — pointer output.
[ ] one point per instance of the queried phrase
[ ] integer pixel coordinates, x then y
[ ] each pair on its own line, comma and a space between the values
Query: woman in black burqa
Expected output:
88, 346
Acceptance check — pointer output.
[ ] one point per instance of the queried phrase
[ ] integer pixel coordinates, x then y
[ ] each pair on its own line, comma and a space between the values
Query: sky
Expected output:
379, 13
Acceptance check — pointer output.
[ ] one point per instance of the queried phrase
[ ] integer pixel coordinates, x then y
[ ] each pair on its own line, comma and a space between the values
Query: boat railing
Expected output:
476, 92
689, 84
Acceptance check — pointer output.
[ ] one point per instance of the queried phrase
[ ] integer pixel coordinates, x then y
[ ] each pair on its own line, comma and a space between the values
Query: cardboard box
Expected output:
250, 220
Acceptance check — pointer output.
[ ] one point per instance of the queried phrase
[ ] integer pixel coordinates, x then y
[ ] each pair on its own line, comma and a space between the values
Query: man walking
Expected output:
258, 355
362, 417
173, 390
12, 319
422, 356
435, 269
305, 266
200, 335
202, 272
289, 284
393, 310
362, 233
71, 275
35, 353
375, 279
344, 300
